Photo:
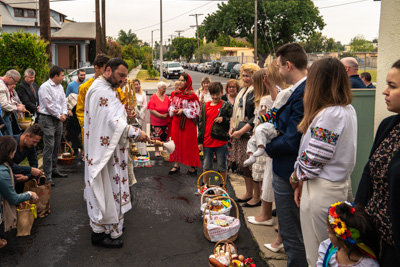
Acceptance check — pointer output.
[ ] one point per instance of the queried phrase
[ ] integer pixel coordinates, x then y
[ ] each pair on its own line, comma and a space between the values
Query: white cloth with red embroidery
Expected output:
106, 134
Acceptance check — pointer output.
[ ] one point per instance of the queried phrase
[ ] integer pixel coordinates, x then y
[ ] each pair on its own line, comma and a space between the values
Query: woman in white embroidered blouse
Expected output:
203, 94
141, 100
327, 151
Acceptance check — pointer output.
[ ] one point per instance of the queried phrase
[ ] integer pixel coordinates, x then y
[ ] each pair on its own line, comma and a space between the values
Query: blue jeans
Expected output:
289, 221
7, 121
222, 156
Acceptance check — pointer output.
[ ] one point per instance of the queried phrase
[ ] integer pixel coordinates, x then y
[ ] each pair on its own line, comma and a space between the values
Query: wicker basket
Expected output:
226, 247
218, 191
63, 158
205, 230
209, 180
25, 121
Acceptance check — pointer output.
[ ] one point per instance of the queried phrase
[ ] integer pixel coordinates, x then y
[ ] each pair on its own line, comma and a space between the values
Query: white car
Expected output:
73, 75
173, 69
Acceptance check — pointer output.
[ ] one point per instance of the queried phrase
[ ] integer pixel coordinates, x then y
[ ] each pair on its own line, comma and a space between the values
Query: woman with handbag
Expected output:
184, 110
9, 198
242, 122
379, 187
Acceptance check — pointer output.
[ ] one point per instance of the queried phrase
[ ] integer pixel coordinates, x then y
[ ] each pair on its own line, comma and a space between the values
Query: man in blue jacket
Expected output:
292, 63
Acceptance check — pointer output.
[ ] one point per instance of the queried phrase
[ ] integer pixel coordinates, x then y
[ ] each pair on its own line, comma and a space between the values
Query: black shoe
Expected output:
56, 173
108, 242
274, 212
238, 200
51, 182
247, 205
193, 172
176, 170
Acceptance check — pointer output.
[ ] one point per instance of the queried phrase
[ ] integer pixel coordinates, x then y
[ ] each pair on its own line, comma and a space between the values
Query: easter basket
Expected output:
141, 161
25, 121
224, 253
217, 176
67, 155
165, 155
217, 206
218, 227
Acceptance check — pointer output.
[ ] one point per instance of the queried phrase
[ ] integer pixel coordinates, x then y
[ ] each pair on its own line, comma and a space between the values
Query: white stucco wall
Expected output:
388, 52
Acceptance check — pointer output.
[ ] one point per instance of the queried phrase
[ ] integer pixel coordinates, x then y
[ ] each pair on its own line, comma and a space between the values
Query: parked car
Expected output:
207, 66
200, 67
225, 68
235, 71
185, 65
165, 64
195, 66
173, 69
214, 69
73, 75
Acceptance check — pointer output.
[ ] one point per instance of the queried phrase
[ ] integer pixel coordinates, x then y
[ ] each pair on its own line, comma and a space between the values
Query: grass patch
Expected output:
143, 76
372, 72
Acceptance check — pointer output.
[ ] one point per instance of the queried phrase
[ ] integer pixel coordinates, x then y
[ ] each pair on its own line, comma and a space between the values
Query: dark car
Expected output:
214, 69
235, 71
225, 68
194, 66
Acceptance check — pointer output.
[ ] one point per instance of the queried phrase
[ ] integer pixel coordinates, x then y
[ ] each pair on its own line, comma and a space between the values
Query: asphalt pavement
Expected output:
164, 227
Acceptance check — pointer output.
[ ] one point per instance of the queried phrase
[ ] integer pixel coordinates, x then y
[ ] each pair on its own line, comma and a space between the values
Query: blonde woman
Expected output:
203, 94
327, 151
141, 101
242, 122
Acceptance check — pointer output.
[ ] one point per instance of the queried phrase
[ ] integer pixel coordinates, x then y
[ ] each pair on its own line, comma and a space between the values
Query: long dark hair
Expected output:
7, 145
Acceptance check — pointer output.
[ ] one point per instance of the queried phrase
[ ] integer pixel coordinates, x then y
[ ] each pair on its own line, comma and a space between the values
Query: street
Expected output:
164, 227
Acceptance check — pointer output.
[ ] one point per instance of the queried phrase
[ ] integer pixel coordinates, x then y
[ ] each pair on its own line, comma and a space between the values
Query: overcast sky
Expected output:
344, 18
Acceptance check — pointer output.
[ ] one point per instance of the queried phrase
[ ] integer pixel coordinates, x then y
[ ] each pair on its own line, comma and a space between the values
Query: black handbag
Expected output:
241, 124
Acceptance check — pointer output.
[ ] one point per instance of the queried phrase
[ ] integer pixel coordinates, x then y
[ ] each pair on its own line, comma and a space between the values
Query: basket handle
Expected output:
65, 148
218, 188
218, 198
226, 242
208, 183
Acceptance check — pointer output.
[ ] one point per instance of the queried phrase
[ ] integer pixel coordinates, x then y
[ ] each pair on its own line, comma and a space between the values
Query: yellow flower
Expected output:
336, 204
339, 226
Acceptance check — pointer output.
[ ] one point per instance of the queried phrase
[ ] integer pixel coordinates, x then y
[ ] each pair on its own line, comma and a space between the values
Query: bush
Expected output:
130, 63
153, 73
22, 50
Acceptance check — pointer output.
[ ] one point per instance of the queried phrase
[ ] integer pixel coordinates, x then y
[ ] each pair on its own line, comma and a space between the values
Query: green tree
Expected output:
113, 49
223, 40
130, 52
360, 44
22, 50
185, 46
126, 38
319, 43
208, 49
279, 22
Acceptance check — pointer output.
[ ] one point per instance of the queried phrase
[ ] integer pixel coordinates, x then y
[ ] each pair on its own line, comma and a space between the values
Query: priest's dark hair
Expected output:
114, 63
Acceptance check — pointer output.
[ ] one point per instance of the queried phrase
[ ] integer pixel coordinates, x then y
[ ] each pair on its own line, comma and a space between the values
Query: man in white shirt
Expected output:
53, 112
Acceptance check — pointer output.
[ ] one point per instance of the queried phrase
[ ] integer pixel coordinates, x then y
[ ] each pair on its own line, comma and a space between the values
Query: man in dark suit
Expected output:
351, 65
28, 92
292, 63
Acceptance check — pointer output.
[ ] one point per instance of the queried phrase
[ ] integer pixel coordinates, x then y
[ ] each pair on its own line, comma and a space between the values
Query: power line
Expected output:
344, 4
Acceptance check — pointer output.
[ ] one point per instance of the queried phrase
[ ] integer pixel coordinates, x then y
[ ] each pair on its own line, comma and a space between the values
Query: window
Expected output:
31, 13
18, 12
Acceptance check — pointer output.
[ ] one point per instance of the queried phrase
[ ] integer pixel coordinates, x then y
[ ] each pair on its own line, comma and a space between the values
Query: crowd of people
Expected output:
289, 130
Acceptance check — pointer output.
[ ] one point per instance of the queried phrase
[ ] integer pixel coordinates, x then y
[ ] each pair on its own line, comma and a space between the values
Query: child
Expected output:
266, 131
213, 130
350, 238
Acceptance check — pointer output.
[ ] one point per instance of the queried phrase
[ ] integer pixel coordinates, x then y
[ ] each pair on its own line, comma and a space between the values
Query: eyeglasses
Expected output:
13, 79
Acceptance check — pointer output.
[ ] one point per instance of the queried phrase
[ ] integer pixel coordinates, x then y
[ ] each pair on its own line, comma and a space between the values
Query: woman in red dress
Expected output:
184, 110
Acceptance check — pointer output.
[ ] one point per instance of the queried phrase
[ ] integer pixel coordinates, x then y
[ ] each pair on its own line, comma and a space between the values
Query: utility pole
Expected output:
197, 32
98, 28
152, 50
179, 33
103, 25
255, 31
44, 11
161, 45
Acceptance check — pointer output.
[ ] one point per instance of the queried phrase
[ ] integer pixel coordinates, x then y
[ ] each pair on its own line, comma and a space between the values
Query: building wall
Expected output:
63, 56
389, 52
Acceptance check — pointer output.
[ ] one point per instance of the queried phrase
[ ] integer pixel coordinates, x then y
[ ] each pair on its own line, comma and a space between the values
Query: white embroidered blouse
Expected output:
328, 148
190, 108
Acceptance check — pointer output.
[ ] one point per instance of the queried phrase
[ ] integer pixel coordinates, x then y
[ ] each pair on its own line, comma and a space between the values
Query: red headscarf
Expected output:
187, 91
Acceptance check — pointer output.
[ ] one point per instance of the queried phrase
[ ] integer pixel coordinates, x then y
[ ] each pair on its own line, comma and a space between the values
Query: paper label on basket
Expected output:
217, 232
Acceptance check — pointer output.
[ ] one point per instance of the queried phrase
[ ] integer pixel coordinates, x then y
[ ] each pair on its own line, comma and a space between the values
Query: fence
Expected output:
366, 60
